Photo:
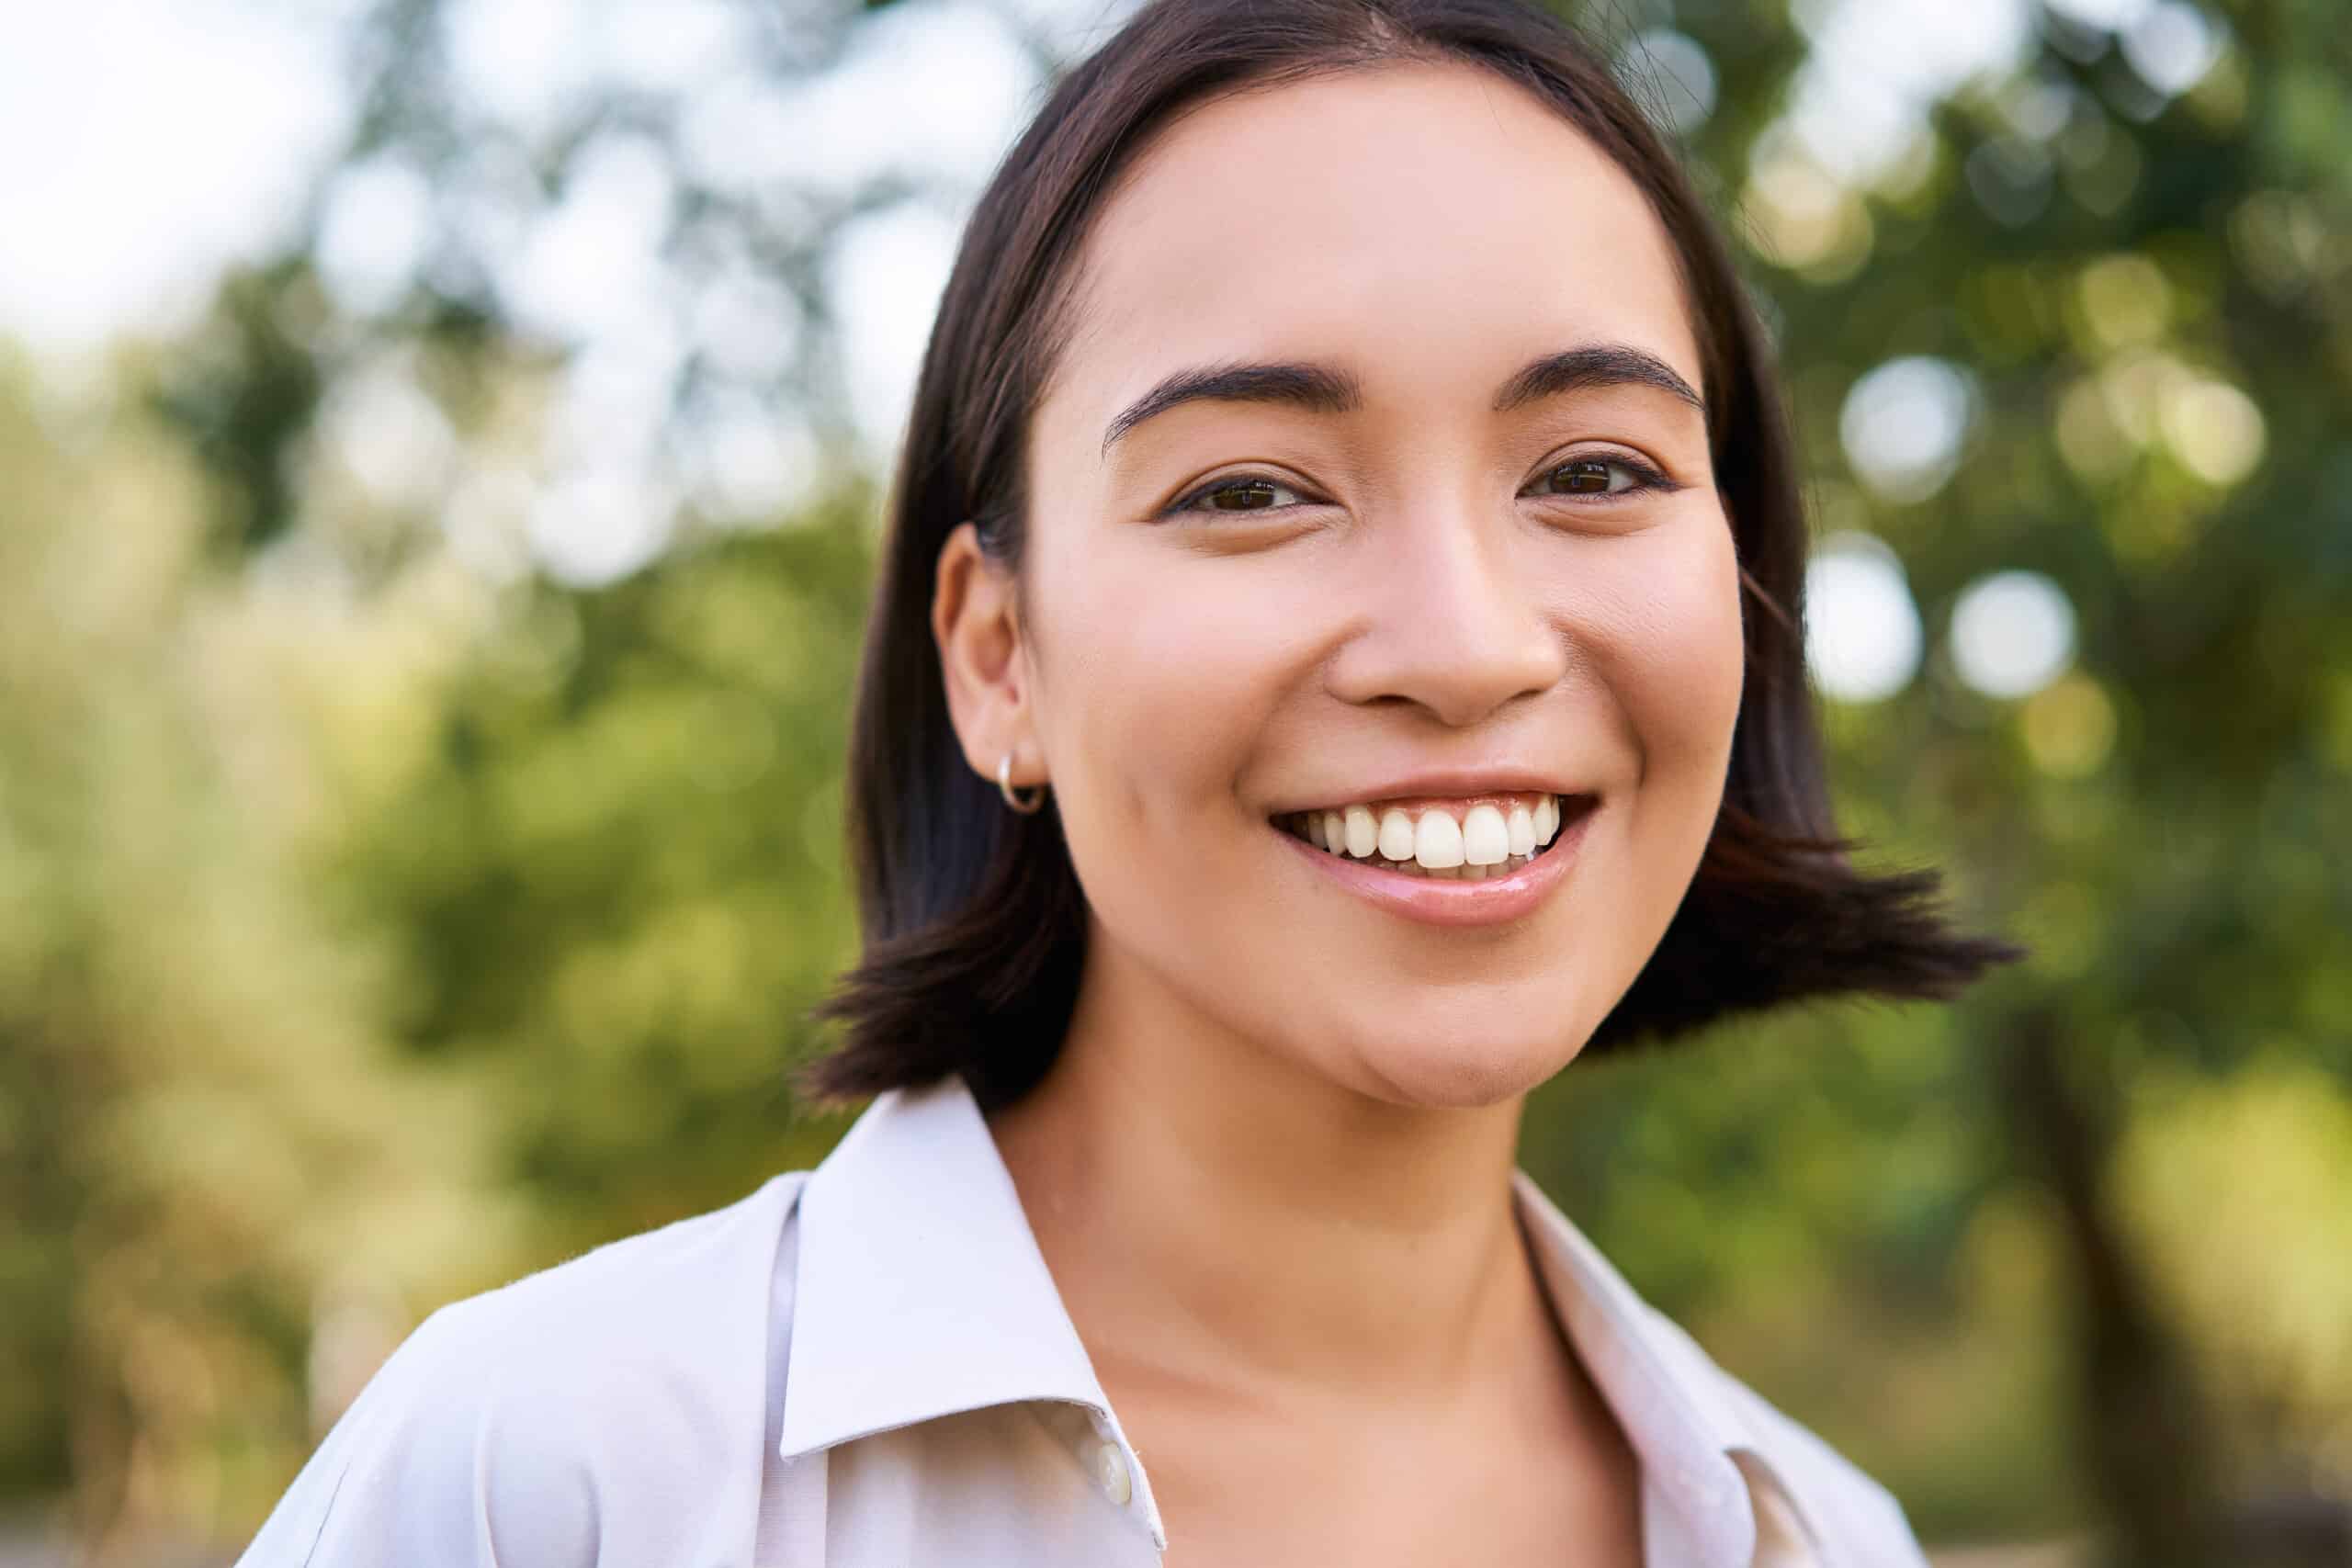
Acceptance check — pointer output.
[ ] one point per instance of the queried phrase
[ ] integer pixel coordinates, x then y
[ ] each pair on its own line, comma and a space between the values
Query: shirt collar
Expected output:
912, 1238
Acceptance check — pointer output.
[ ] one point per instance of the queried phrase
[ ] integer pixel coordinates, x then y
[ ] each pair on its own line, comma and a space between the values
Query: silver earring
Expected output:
1013, 797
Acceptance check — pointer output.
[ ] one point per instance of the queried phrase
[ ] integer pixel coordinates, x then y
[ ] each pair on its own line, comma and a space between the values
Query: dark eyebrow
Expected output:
1322, 388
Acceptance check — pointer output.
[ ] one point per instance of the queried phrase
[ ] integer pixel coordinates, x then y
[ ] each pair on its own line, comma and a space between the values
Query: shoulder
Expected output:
1859, 1521
608, 1409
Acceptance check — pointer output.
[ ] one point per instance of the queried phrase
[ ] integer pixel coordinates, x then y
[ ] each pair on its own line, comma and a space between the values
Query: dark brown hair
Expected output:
973, 920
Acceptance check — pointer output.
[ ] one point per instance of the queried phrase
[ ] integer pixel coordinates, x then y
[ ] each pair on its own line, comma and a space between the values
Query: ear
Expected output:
983, 658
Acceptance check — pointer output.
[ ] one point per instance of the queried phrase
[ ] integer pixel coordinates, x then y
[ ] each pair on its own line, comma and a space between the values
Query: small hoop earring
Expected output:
1013, 797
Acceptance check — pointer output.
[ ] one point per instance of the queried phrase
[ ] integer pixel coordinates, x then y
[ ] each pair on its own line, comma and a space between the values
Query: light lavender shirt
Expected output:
868, 1364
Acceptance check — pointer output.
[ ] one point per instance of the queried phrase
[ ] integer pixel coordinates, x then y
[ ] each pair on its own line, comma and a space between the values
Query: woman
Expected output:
1335, 660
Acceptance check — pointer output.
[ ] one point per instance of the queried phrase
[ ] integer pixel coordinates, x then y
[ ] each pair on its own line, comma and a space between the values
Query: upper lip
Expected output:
1444, 782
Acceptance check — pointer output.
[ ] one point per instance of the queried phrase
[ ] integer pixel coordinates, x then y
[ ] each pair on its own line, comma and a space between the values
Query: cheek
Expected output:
1676, 656
1156, 676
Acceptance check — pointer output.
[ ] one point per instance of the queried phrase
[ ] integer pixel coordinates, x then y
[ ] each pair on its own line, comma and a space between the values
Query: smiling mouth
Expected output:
1469, 842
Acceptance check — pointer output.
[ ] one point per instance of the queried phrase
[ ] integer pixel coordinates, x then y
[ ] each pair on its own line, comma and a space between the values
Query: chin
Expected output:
1462, 1073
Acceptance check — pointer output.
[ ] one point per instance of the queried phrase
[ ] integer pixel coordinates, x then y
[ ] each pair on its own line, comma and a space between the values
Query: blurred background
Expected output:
443, 446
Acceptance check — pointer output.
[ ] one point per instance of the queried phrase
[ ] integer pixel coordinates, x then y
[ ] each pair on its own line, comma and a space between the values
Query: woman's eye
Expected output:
1604, 476
1244, 492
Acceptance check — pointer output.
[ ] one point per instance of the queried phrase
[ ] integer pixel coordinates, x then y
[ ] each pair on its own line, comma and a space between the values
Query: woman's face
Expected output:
1427, 579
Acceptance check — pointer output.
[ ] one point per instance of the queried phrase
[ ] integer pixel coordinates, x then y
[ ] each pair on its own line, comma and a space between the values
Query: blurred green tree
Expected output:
197, 1114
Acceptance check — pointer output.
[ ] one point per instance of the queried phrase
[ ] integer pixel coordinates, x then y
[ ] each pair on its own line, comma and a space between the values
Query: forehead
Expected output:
1432, 225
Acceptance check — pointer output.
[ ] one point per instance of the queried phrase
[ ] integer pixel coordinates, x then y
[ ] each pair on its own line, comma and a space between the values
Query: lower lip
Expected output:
1443, 901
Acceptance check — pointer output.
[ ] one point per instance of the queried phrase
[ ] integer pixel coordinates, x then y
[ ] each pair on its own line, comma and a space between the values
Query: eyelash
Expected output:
1646, 480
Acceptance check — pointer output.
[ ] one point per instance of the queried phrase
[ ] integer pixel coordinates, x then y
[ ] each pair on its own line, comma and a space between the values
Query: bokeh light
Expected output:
2068, 726
2172, 46
2215, 430
2012, 633
1862, 632
374, 232
1902, 426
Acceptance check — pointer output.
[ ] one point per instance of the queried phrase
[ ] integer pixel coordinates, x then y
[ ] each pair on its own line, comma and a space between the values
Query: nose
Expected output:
1447, 620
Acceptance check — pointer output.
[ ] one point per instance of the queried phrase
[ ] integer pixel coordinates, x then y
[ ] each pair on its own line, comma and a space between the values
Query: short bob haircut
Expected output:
973, 920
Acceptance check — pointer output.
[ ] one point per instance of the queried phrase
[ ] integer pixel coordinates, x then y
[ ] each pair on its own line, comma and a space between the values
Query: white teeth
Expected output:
1521, 830
1486, 837
1436, 841
1485, 841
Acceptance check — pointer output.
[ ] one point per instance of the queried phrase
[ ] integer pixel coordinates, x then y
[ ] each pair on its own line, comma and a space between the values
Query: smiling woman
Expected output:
1337, 659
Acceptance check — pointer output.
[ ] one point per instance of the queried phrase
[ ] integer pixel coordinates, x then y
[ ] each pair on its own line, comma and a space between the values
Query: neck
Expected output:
1221, 1217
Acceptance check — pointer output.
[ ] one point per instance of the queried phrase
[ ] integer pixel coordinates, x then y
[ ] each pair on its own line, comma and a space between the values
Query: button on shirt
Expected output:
868, 1366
